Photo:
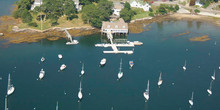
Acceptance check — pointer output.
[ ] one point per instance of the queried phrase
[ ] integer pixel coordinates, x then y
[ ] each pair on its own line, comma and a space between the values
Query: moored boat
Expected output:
42, 73
62, 67
103, 62
131, 63
11, 88
42, 59
60, 56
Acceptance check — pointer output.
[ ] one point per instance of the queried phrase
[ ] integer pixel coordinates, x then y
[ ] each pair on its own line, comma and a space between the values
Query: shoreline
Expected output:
28, 35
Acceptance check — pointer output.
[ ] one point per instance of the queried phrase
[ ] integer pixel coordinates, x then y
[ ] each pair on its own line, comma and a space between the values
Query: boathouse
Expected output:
115, 27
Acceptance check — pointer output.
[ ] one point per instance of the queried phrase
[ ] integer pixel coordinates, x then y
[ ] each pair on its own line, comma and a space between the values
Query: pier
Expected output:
70, 37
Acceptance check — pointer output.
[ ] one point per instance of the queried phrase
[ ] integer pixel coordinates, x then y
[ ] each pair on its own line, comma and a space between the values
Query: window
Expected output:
116, 26
108, 26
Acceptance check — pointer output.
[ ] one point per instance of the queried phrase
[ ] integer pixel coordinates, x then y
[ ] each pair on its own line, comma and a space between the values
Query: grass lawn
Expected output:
140, 13
77, 22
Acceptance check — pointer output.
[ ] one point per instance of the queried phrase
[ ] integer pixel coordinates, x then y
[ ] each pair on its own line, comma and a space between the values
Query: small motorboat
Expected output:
42, 73
60, 56
131, 63
72, 43
138, 43
62, 67
209, 91
42, 59
103, 61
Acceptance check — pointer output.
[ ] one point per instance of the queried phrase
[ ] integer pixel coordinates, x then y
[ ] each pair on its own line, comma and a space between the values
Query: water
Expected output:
162, 51
6, 7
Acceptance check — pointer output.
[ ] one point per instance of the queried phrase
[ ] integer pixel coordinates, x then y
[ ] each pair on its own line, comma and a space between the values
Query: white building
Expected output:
36, 3
117, 8
140, 4
78, 7
115, 27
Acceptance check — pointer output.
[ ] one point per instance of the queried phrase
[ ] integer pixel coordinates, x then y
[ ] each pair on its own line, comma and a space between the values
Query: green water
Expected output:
162, 51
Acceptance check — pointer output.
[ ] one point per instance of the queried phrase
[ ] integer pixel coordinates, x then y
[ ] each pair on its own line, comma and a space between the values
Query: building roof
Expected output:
120, 24
118, 6
38, 1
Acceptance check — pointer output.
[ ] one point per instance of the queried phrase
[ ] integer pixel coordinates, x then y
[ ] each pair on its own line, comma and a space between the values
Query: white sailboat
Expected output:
6, 105
146, 93
60, 56
82, 71
11, 88
42, 73
213, 77
62, 67
120, 73
191, 100
57, 106
184, 66
80, 92
160, 81
210, 89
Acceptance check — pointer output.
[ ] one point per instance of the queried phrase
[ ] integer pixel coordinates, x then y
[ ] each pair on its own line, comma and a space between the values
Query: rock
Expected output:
1, 34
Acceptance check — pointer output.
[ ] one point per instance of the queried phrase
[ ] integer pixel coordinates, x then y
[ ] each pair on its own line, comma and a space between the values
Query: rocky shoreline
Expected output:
13, 34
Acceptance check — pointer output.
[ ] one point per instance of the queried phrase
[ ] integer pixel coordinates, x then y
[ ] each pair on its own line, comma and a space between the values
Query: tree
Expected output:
151, 14
150, 9
69, 9
26, 16
197, 11
126, 13
162, 10
177, 7
127, 5
192, 2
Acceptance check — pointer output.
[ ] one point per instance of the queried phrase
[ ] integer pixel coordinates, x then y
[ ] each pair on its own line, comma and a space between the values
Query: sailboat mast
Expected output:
148, 86
192, 95
6, 108
82, 66
120, 65
185, 63
9, 81
80, 88
214, 73
57, 106
160, 76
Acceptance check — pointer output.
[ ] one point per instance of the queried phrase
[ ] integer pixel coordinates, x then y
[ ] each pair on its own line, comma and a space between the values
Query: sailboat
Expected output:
80, 92
184, 66
213, 77
57, 106
191, 100
60, 56
11, 88
210, 89
6, 106
160, 81
120, 73
82, 71
146, 93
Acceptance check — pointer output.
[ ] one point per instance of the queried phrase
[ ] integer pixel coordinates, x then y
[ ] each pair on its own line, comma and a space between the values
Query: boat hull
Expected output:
146, 95
11, 90
191, 102
120, 74
159, 82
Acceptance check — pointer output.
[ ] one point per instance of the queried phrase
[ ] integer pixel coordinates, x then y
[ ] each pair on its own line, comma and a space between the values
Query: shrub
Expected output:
196, 11
54, 23
150, 9
151, 14
33, 24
